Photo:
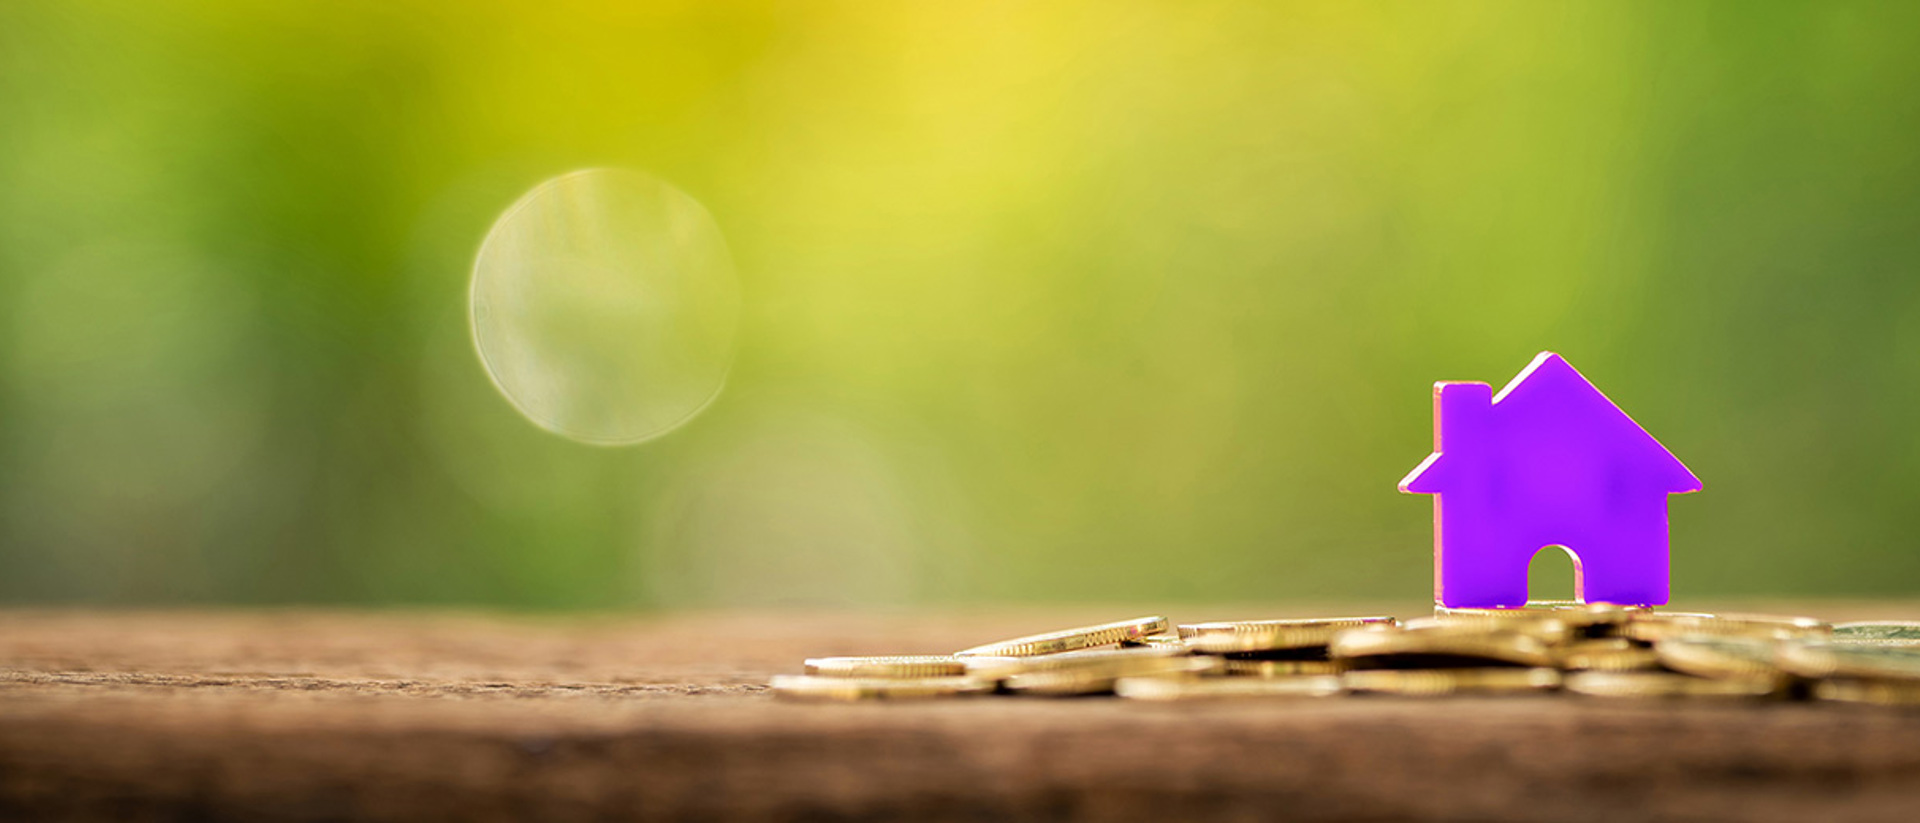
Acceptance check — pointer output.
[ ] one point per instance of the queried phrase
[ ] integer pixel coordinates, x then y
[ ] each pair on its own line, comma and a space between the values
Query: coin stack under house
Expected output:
1555, 647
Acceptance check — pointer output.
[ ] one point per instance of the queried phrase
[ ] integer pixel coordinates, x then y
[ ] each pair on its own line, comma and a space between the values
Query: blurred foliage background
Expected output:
1055, 302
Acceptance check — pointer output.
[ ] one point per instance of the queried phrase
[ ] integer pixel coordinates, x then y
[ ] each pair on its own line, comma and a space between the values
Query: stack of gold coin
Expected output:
1099, 676
1660, 685
1437, 682
1857, 672
1430, 645
1296, 639
1275, 649
1089, 671
1272, 658
1654, 626
1606, 654
1591, 650
1544, 625
1581, 619
1720, 658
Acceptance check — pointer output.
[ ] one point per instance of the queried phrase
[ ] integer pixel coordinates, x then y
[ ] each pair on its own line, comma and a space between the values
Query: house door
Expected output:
1553, 574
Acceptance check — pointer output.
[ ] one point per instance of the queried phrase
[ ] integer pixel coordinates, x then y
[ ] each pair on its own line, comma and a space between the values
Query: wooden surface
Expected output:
317, 716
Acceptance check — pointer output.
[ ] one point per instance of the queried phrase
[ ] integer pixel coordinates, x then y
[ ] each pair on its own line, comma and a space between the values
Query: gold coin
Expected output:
1167, 688
1555, 604
1441, 640
1272, 635
1542, 625
1720, 657
1597, 644
1001, 668
892, 666
1665, 684
1875, 692
1818, 659
1653, 626
813, 687
1068, 640
1173, 640
1284, 668
1889, 632
1574, 613
1435, 682
1612, 654
1596, 617
1100, 678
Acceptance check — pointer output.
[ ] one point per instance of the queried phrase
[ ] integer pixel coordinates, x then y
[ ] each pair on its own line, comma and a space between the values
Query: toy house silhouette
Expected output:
1549, 461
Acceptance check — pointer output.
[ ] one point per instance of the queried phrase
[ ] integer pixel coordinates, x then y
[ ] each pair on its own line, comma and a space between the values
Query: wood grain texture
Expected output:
322, 716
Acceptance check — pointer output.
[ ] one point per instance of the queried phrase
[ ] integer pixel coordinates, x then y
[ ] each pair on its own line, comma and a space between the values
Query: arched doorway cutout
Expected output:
1557, 577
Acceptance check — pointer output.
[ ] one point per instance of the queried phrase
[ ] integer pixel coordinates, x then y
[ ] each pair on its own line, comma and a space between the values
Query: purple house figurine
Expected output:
1549, 461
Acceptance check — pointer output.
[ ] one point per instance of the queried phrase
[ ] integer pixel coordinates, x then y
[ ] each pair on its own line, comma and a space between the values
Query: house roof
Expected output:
1551, 403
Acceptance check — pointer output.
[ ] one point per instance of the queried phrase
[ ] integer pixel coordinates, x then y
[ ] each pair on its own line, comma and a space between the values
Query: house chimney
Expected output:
1460, 414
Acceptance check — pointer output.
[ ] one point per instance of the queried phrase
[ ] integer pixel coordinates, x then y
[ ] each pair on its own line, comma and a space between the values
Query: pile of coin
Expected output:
1595, 650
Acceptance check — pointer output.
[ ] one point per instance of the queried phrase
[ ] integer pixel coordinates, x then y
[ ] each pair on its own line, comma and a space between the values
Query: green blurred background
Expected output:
1061, 302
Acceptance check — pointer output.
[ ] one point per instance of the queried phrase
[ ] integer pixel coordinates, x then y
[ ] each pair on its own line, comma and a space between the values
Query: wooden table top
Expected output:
391, 715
